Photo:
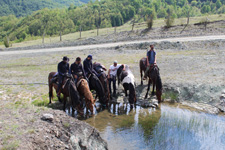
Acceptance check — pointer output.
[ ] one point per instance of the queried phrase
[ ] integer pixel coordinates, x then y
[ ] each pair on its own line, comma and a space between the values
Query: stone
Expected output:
47, 117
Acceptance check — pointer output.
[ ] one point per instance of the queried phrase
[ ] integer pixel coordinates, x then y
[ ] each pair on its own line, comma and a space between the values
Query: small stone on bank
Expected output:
47, 117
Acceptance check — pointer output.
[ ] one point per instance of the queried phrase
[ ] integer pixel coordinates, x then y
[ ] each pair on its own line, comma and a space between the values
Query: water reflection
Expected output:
165, 128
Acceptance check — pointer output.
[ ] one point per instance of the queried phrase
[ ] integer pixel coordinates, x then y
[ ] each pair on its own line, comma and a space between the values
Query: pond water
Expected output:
167, 128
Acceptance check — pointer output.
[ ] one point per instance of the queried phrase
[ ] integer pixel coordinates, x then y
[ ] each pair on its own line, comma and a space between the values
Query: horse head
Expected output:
74, 95
119, 73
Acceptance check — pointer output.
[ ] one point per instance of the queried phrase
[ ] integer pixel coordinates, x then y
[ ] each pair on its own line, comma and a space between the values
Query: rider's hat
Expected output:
90, 56
65, 58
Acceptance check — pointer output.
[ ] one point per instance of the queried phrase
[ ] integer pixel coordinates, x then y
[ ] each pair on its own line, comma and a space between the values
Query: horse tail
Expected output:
159, 83
158, 88
50, 85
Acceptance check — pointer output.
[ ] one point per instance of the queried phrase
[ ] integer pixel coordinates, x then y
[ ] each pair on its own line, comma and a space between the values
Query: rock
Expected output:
202, 107
47, 117
1, 49
86, 138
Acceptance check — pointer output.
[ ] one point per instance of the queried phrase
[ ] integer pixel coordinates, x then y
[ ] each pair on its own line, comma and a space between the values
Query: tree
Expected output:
64, 22
218, 4
46, 17
169, 21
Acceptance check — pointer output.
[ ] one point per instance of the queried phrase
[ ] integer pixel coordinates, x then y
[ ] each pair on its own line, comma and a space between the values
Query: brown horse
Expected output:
84, 91
68, 90
143, 66
154, 78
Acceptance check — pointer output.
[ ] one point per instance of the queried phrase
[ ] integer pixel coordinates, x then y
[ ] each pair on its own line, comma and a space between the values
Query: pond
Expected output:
164, 128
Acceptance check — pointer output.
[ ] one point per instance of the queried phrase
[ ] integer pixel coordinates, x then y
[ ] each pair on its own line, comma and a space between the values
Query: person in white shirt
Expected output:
112, 76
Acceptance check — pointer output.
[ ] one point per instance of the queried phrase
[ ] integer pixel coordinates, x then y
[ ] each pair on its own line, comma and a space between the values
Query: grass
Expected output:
107, 31
66, 124
170, 95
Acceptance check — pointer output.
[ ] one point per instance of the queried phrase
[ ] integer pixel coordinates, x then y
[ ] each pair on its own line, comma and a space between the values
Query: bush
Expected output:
150, 22
6, 42
169, 21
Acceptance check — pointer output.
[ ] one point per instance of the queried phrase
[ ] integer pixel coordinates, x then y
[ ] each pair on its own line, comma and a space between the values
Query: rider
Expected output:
112, 76
151, 60
63, 68
88, 66
77, 69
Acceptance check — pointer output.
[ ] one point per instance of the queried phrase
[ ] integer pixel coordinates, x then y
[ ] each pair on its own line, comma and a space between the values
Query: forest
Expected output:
100, 14
26, 7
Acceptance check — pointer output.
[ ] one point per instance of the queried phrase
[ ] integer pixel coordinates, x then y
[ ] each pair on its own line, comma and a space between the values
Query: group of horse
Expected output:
80, 93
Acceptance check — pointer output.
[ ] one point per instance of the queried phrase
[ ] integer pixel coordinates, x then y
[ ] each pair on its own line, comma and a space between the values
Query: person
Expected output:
112, 76
77, 70
151, 60
88, 66
63, 68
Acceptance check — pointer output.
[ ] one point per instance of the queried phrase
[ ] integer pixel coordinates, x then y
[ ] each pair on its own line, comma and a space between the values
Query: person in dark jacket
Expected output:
77, 70
88, 66
63, 68
151, 60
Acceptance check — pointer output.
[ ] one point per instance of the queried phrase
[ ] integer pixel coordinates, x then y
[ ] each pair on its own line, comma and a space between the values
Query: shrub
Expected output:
150, 22
6, 42
169, 21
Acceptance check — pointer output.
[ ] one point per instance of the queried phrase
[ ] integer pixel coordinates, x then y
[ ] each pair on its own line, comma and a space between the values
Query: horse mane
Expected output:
119, 73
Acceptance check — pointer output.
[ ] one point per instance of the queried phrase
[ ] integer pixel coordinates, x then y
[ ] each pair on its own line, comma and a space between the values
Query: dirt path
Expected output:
110, 45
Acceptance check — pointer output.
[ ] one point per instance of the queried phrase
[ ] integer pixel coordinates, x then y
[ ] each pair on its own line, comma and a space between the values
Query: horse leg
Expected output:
125, 90
149, 82
141, 77
64, 103
153, 89
50, 92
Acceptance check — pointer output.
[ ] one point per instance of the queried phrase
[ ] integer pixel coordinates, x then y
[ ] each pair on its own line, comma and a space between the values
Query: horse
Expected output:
95, 84
143, 67
155, 78
126, 77
84, 91
103, 79
68, 90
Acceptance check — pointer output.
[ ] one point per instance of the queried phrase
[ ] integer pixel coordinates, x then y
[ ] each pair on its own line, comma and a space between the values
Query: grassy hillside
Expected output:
26, 7
105, 31
101, 14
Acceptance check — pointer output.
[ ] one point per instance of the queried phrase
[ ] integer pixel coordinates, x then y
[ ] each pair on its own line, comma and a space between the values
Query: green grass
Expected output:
106, 31
170, 95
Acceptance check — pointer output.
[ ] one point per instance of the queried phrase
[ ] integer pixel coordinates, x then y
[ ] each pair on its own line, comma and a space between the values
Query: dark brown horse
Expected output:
154, 78
84, 91
143, 66
105, 84
68, 90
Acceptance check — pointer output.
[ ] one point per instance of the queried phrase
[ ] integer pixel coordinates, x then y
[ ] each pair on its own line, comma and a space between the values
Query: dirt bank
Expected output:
24, 126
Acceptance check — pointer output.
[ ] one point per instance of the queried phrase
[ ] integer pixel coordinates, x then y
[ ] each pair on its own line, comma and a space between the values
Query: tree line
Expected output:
101, 14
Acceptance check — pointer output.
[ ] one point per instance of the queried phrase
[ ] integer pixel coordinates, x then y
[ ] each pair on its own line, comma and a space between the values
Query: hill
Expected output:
26, 7
101, 14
